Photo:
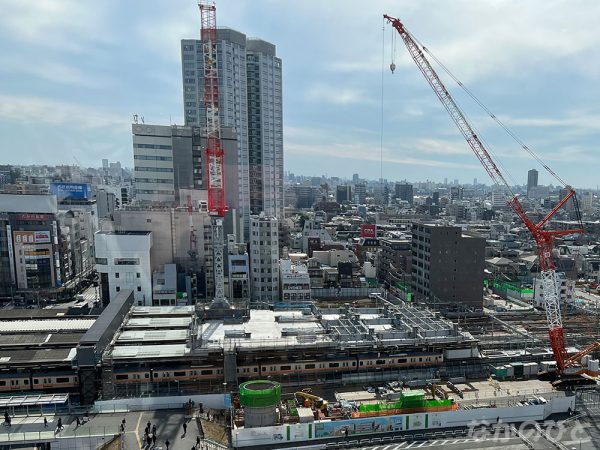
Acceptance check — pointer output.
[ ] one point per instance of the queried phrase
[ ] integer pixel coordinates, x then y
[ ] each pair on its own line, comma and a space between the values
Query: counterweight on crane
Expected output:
214, 149
543, 238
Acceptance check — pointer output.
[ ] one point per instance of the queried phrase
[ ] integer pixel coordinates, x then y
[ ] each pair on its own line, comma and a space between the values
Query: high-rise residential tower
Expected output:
532, 180
265, 132
250, 103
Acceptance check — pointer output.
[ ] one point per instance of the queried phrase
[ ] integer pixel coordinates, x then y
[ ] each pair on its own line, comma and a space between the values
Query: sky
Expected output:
73, 73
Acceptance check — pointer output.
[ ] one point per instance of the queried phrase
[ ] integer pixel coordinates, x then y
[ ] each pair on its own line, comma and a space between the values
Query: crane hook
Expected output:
392, 67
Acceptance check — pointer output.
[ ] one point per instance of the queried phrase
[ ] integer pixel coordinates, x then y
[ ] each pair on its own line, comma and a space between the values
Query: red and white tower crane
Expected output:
543, 238
214, 149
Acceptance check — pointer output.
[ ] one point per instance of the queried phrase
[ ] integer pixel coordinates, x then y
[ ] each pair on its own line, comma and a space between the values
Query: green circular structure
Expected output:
260, 393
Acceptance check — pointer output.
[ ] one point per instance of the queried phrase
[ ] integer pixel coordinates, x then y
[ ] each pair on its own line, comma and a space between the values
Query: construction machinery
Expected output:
311, 400
567, 365
214, 149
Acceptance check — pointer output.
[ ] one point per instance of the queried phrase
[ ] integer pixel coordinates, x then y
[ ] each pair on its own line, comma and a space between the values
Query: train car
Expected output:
131, 376
366, 362
248, 370
181, 374
54, 380
10, 382
342, 364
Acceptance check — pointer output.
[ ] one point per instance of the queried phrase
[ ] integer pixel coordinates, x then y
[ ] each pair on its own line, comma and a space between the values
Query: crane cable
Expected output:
382, 114
490, 113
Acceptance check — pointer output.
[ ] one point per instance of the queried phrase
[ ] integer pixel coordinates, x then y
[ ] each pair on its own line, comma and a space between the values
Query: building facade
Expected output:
295, 282
404, 191
264, 259
447, 265
265, 128
35, 255
123, 263
532, 180
250, 97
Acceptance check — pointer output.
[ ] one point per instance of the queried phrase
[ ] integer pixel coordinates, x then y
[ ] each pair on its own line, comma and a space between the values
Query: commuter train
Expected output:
262, 369
13, 382
49, 381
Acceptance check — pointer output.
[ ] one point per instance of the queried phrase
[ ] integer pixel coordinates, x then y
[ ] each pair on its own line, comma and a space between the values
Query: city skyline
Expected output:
538, 75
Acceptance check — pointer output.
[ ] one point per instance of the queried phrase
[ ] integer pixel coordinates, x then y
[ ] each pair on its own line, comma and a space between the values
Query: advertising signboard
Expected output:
32, 237
41, 237
368, 231
70, 191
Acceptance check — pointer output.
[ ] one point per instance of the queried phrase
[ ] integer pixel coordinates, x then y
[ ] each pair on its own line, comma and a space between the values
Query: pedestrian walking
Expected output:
59, 425
167, 443
45, 423
149, 441
123, 422
77, 421
184, 428
148, 426
197, 441
122, 428
154, 429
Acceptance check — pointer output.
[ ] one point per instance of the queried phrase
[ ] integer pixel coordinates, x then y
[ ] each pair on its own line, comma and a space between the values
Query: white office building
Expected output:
123, 262
295, 282
153, 163
264, 259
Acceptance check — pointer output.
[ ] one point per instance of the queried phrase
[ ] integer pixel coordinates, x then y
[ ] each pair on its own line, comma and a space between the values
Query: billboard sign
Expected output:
41, 237
368, 231
31, 237
70, 191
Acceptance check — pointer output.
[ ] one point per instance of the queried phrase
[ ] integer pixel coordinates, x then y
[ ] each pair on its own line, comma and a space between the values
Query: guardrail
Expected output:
50, 435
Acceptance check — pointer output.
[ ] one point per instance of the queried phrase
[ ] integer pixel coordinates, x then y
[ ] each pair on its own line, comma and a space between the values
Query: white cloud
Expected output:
337, 95
56, 72
474, 39
318, 142
43, 110
67, 25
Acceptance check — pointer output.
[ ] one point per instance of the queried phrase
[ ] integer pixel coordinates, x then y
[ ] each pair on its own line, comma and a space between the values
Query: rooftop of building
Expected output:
158, 322
39, 339
125, 233
149, 351
149, 311
144, 336
38, 356
49, 325
390, 325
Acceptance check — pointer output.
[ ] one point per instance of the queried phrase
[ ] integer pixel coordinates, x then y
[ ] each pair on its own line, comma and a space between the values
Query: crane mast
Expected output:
214, 149
544, 238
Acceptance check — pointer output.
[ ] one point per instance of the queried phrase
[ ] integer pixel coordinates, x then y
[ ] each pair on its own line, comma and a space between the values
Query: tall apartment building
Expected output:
532, 180
265, 128
360, 193
343, 193
264, 259
447, 265
250, 103
404, 191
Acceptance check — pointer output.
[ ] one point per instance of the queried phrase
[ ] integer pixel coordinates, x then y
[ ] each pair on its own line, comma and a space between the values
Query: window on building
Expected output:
139, 288
118, 289
117, 275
